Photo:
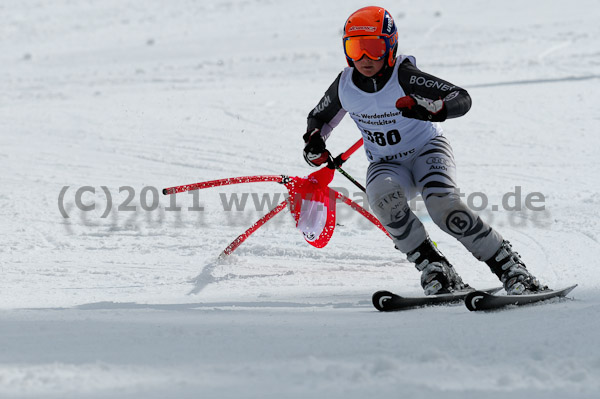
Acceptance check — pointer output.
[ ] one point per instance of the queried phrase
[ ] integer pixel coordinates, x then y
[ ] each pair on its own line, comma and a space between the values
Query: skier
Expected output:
394, 105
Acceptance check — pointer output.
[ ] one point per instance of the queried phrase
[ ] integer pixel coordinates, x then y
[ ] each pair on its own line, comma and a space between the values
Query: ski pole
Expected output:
352, 179
340, 159
344, 157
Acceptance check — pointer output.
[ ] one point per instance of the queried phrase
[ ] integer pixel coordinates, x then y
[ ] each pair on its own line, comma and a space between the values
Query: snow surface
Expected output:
149, 94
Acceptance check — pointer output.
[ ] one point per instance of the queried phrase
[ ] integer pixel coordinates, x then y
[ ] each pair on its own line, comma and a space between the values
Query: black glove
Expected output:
315, 153
417, 107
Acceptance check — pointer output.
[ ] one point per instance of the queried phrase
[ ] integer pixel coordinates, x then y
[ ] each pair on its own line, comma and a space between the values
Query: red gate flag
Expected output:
312, 204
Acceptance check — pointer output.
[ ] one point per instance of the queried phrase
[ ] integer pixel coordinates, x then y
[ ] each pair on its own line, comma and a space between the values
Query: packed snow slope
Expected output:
114, 100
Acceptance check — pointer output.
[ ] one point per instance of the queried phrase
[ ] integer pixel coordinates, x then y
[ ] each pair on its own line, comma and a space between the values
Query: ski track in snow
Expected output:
121, 94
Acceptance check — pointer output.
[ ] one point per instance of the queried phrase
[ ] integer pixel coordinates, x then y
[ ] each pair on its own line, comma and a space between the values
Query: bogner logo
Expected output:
451, 96
459, 222
421, 81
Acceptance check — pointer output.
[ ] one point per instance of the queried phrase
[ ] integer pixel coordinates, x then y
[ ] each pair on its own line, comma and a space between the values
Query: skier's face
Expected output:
368, 67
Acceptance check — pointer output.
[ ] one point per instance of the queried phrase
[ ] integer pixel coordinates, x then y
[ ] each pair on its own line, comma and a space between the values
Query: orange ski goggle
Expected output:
374, 47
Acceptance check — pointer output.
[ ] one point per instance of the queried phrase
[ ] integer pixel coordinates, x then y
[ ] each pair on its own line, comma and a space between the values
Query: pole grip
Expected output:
351, 150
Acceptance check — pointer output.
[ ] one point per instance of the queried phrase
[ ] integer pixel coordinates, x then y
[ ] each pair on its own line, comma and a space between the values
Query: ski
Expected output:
386, 301
481, 300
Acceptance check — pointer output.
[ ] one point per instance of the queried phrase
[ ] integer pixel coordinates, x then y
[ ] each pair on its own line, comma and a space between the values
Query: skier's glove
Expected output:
315, 153
417, 107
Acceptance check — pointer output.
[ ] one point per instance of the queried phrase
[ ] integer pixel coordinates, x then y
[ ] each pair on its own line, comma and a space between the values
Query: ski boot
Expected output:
437, 274
510, 269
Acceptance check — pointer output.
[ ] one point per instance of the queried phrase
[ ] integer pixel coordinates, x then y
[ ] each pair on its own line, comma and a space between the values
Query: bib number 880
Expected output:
390, 138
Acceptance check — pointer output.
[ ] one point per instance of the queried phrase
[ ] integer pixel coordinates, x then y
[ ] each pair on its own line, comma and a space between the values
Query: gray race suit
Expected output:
407, 156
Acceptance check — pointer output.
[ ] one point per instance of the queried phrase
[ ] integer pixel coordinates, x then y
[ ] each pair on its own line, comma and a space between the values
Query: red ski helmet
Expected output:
370, 31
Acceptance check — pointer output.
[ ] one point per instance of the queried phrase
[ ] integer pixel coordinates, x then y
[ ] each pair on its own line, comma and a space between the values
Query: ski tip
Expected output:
380, 298
565, 291
474, 297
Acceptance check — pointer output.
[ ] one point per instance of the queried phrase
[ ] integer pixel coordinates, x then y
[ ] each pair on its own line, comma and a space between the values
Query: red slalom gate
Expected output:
242, 237
222, 182
311, 202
